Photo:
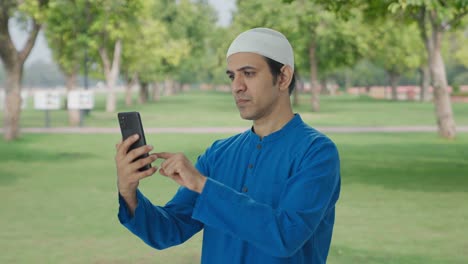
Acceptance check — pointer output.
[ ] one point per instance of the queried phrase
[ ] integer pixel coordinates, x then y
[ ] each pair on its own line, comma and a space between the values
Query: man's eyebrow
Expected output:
241, 69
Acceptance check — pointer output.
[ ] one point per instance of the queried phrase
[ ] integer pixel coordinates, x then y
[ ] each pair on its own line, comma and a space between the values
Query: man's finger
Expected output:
164, 155
135, 153
142, 162
163, 172
125, 145
146, 173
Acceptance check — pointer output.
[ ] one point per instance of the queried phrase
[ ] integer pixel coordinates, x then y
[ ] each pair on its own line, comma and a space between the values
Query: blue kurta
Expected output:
269, 200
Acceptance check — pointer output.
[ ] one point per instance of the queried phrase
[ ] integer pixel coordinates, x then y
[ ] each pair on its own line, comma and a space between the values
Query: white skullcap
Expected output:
266, 42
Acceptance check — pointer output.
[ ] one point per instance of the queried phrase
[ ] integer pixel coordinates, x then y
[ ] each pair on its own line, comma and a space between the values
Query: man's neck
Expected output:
265, 126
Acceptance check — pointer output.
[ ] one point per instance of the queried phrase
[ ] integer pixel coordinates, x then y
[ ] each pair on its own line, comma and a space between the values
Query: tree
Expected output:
396, 48
151, 49
329, 42
149, 52
66, 32
32, 13
110, 21
196, 22
434, 18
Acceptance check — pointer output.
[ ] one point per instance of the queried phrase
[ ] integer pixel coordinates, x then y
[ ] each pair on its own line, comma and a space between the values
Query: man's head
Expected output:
270, 44
260, 64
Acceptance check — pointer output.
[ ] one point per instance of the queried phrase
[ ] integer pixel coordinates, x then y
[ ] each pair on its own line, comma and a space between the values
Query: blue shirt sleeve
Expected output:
308, 195
162, 227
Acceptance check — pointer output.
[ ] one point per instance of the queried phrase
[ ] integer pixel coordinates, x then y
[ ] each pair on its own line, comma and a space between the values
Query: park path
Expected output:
205, 130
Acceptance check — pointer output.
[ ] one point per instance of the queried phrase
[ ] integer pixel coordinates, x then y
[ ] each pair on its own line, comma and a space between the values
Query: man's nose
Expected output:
238, 84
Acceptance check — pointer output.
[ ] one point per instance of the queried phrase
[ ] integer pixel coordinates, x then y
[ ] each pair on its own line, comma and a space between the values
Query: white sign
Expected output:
47, 100
24, 99
80, 99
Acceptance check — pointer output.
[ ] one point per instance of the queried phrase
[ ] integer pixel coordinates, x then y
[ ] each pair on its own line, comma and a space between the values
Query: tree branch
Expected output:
443, 3
116, 59
105, 60
455, 20
7, 48
23, 54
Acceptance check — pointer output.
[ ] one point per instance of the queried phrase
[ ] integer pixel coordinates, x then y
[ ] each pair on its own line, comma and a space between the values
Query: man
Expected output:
263, 196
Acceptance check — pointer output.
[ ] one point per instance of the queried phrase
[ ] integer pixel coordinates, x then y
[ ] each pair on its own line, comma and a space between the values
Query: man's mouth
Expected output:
240, 101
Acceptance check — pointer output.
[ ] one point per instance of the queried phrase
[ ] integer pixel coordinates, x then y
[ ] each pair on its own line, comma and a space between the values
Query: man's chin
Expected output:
246, 116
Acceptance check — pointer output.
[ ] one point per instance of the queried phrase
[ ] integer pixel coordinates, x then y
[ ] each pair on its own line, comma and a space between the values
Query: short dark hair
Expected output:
275, 69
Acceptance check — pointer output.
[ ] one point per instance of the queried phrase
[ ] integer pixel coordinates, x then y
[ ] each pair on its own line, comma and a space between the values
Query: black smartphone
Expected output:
130, 124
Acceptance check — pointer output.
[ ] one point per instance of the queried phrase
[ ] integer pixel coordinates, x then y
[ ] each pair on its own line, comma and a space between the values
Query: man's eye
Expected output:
231, 77
249, 74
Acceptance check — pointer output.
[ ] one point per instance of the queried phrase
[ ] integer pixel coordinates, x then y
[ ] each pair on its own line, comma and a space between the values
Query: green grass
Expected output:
403, 200
218, 109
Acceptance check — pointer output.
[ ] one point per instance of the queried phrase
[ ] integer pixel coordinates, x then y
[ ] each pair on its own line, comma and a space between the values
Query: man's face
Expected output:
252, 85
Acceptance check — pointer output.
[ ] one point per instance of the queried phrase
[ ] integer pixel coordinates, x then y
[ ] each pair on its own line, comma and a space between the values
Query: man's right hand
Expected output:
128, 175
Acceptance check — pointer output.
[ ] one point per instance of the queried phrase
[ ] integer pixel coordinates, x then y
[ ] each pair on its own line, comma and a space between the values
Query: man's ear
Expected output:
285, 78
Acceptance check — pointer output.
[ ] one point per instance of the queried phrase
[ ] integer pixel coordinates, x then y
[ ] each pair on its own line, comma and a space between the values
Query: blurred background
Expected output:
386, 80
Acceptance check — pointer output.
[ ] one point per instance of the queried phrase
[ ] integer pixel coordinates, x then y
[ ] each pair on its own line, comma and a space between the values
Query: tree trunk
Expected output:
393, 78
111, 72
13, 61
168, 86
348, 79
156, 92
12, 102
128, 89
443, 105
314, 83
144, 93
425, 82
73, 114
128, 94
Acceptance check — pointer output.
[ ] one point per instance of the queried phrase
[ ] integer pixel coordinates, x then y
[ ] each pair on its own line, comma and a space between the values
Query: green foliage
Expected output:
456, 47
339, 43
109, 22
34, 9
460, 79
195, 22
67, 33
148, 47
366, 74
396, 47
447, 12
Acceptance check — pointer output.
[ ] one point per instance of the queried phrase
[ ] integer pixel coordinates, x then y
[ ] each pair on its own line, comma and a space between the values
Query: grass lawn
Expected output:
218, 109
403, 199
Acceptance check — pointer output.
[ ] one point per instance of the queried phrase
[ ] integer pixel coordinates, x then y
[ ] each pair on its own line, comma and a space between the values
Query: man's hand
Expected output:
177, 167
128, 175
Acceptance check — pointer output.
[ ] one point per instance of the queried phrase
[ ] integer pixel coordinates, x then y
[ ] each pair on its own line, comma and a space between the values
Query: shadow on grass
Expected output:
17, 154
23, 155
414, 166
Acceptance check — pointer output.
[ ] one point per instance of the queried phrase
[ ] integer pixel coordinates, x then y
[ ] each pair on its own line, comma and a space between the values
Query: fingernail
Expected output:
135, 136
150, 147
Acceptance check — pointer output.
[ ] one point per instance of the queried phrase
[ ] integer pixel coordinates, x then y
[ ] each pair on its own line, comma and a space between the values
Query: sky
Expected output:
41, 51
